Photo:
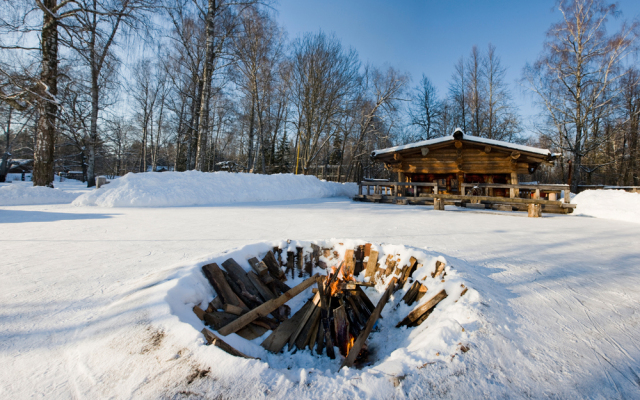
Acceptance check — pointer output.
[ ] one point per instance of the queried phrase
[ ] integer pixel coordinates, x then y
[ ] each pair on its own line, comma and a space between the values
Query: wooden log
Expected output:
212, 339
407, 270
320, 336
305, 334
266, 308
264, 291
415, 315
314, 332
300, 261
245, 297
294, 336
359, 254
258, 266
274, 266
439, 269
218, 320
349, 262
365, 300
315, 253
216, 277
351, 285
371, 265
341, 328
367, 249
353, 311
362, 337
290, 264
422, 290
199, 312
231, 309
324, 315
280, 336
410, 297
215, 304
239, 275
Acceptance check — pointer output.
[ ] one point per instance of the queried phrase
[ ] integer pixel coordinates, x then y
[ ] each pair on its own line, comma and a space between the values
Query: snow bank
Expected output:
21, 195
192, 188
609, 204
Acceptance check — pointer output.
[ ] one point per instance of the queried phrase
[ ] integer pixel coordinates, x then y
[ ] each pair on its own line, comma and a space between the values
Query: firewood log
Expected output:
267, 307
280, 336
371, 266
414, 316
439, 269
212, 339
362, 338
324, 315
341, 327
274, 266
238, 274
217, 279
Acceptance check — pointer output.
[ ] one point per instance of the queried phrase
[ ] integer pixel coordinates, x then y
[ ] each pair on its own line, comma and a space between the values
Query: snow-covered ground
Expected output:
86, 297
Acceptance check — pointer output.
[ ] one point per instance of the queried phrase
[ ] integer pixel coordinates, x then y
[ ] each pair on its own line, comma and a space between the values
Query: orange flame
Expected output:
351, 342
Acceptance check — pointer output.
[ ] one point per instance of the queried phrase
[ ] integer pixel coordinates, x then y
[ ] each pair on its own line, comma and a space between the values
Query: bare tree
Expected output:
425, 110
575, 76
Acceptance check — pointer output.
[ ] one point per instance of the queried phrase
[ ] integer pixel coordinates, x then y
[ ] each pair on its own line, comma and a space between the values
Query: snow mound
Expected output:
22, 195
609, 204
193, 188
395, 351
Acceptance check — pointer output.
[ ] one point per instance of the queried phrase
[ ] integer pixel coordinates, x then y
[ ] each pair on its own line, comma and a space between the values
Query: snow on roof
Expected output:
474, 139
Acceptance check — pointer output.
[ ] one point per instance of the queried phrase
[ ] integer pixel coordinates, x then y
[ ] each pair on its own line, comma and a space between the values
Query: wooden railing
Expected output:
515, 188
395, 191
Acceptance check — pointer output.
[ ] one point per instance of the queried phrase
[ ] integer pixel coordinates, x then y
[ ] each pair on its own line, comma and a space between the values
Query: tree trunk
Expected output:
207, 73
43, 157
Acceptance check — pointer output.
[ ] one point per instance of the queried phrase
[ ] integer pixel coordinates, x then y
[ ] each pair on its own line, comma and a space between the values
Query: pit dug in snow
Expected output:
331, 304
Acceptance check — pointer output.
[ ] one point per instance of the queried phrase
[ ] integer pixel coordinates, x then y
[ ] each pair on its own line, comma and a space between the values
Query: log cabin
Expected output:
462, 169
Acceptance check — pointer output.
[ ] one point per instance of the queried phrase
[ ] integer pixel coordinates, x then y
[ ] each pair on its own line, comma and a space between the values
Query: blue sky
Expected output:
428, 36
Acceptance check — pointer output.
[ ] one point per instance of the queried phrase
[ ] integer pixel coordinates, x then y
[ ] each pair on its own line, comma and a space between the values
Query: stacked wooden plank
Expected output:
338, 315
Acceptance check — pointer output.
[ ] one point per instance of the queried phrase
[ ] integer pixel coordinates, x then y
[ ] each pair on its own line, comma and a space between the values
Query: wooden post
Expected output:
567, 196
534, 210
438, 204
460, 182
513, 192
537, 195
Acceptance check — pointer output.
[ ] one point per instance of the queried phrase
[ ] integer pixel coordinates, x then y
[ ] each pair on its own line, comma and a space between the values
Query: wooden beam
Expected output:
238, 274
212, 339
415, 315
280, 336
267, 307
362, 337
274, 267
216, 278
294, 336
371, 265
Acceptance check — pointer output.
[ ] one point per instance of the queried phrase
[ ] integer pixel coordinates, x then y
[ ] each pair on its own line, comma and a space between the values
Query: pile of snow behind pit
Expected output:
394, 351
193, 188
610, 204
20, 195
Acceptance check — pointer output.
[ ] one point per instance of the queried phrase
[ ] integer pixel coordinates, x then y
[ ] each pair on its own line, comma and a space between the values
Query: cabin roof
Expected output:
466, 138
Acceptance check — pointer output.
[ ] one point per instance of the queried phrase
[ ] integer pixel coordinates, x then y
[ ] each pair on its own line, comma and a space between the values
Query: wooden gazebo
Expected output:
461, 169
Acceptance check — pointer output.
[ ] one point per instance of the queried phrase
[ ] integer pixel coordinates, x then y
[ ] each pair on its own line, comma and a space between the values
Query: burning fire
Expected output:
352, 340
344, 275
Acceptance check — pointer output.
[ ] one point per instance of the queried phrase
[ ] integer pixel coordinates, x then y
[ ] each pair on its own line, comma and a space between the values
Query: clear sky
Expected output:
429, 36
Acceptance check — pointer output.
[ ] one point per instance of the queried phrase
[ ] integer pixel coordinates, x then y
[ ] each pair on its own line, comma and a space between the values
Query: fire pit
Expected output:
338, 315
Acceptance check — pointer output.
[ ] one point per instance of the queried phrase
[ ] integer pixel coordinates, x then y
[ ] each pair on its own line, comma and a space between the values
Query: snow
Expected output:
468, 138
94, 303
24, 193
170, 189
610, 204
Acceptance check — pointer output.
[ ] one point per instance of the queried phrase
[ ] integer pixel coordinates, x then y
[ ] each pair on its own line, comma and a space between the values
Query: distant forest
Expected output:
108, 87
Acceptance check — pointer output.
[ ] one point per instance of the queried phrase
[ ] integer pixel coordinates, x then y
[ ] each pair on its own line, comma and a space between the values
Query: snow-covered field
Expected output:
94, 303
